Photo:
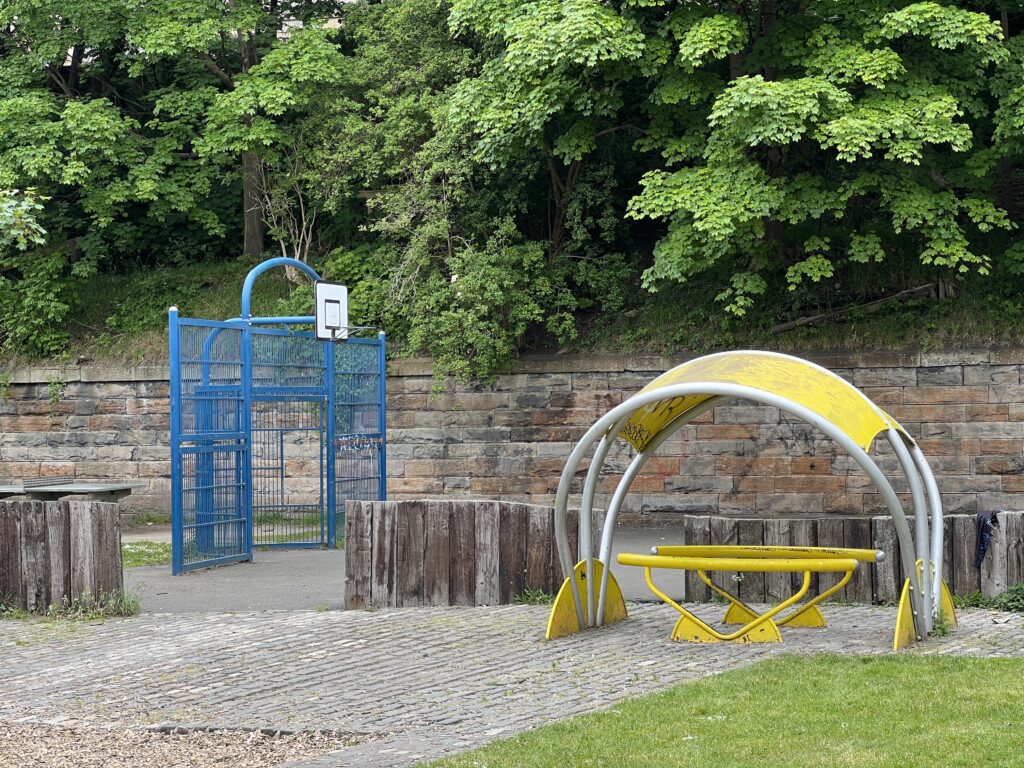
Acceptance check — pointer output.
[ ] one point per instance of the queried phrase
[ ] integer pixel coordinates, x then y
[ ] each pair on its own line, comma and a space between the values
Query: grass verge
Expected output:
136, 553
86, 608
796, 711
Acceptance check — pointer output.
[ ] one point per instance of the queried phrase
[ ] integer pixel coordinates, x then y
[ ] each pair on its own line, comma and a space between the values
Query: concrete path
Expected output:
305, 579
276, 580
429, 681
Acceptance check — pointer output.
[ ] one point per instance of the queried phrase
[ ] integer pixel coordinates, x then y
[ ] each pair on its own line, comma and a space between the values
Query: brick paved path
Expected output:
437, 680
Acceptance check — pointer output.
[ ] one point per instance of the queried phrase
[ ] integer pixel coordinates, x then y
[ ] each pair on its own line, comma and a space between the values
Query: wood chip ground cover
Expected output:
32, 746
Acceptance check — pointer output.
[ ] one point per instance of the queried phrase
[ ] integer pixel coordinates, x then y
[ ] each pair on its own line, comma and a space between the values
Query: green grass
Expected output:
136, 553
796, 712
534, 597
286, 517
85, 608
682, 318
123, 317
144, 519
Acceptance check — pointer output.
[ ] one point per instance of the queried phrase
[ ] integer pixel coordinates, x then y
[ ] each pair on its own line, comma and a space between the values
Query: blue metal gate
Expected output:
272, 431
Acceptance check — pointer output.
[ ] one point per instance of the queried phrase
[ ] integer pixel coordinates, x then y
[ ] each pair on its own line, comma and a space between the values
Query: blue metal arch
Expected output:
259, 269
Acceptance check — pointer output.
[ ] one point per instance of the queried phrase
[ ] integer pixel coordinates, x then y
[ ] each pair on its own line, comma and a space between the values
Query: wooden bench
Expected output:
51, 489
755, 626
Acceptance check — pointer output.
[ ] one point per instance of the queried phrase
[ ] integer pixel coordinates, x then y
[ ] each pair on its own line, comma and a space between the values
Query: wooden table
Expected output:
92, 491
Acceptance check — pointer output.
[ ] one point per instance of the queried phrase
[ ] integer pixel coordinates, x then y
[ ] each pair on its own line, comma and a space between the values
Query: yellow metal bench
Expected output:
756, 627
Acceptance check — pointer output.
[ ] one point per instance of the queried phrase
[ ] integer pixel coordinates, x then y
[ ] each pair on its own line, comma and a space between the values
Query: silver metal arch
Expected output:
920, 517
586, 546
603, 427
935, 504
622, 489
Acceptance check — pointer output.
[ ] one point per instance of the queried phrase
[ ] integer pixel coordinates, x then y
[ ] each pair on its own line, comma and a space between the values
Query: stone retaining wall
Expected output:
509, 440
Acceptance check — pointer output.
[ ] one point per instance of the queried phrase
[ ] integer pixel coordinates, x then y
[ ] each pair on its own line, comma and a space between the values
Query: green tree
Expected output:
787, 142
470, 259
153, 129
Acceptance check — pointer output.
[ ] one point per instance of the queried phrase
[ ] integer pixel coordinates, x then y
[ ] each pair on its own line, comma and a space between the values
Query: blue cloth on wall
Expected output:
987, 521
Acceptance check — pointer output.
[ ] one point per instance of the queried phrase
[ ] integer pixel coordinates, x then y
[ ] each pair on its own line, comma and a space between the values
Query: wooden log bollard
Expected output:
57, 552
432, 552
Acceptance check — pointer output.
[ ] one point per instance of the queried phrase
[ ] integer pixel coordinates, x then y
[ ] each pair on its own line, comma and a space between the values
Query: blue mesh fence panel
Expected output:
212, 484
288, 416
358, 437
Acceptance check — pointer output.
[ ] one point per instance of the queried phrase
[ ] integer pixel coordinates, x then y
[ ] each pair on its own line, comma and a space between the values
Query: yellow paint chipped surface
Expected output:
796, 380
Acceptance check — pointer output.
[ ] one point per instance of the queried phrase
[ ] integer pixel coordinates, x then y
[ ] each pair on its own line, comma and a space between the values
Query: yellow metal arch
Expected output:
800, 381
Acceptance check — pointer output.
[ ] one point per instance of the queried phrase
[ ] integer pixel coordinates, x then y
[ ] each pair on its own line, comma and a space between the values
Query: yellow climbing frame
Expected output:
797, 387
756, 627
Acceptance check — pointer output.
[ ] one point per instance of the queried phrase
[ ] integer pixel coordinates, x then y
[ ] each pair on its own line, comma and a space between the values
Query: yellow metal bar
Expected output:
752, 551
814, 601
789, 618
738, 611
761, 619
766, 565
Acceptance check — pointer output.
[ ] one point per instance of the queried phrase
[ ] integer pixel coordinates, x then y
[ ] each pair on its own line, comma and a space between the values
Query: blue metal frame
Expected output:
174, 348
213, 478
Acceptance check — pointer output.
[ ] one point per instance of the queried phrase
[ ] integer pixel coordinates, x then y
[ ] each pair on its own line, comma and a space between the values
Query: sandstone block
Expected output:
810, 484
746, 414
996, 465
811, 465
958, 357
776, 503
946, 375
1008, 446
955, 395
741, 465
1006, 393
753, 484
991, 374
884, 377
886, 396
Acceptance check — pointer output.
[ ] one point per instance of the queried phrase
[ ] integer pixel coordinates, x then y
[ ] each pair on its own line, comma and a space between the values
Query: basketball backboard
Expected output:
331, 311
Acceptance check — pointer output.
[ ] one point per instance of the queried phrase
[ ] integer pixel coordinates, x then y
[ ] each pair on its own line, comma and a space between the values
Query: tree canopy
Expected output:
490, 174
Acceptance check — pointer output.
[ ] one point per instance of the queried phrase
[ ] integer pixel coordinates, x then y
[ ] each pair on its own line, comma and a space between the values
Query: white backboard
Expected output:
331, 311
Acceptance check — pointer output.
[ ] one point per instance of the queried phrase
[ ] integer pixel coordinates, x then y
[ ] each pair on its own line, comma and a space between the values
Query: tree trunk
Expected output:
251, 191
252, 212
560, 197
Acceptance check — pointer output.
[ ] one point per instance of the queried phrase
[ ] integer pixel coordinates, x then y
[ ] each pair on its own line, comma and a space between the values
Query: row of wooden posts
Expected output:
413, 553
54, 552
1002, 566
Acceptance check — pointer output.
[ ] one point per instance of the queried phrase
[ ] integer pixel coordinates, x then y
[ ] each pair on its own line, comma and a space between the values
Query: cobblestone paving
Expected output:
436, 680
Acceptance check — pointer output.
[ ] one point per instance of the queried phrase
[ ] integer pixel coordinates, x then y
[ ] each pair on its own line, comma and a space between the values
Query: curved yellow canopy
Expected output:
799, 381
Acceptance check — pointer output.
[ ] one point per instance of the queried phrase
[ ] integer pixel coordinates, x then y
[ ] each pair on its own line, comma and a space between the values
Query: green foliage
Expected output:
18, 225
131, 118
491, 176
1010, 600
534, 597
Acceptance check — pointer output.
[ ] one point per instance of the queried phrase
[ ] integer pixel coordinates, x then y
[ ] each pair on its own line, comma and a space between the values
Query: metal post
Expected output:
331, 491
935, 505
382, 399
608, 532
918, 581
246, 427
174, 348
